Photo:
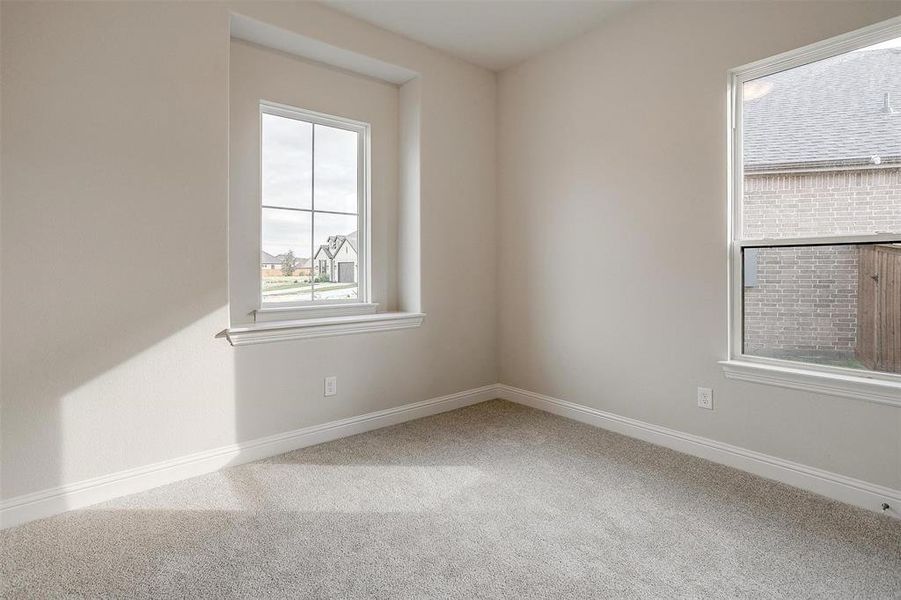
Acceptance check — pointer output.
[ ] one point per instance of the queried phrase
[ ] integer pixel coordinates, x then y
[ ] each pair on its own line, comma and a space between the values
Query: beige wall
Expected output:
612, 149
115, 155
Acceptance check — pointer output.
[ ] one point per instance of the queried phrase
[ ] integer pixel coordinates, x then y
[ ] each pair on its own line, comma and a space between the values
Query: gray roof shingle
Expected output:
338, 240
828, 113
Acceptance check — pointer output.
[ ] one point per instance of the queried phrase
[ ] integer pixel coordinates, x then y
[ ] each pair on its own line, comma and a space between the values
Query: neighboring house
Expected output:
302, 266
269, 261
822, 153
273, 264
336, 260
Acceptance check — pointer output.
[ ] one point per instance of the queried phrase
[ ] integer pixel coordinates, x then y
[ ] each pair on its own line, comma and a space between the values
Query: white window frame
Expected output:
875, 386
330, 307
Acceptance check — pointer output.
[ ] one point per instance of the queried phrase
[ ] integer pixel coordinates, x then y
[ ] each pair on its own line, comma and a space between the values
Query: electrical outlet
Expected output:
331, 386
705, 398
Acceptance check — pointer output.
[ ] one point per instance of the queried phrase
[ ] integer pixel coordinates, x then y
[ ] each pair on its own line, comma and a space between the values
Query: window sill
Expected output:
279, 331
880, 391
319, 311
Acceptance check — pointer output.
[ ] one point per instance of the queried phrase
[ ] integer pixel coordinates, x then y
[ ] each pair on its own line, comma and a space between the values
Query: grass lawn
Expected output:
283, 283
850, 363
271, 288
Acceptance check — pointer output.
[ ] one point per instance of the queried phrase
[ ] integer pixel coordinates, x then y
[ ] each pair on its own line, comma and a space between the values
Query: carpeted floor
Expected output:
491, 501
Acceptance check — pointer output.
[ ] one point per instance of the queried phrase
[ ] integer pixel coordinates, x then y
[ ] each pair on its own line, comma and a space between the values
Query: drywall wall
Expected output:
258, 73
115, 241
114, 238
612, 230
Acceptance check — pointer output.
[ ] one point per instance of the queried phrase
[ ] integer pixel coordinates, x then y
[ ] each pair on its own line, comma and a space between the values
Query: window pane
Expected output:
287, 162
286, 266
832, 305
335, 260
822, 147
336, 169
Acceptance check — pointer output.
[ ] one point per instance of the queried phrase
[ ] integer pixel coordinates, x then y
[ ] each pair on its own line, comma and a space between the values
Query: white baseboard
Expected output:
22, 509
37, 505
832, 485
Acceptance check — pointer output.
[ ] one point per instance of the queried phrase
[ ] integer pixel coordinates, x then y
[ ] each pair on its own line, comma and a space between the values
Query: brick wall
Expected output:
299, 272
824, 203
804, 303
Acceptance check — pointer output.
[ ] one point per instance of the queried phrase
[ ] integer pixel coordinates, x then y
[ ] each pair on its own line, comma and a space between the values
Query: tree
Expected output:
288, 263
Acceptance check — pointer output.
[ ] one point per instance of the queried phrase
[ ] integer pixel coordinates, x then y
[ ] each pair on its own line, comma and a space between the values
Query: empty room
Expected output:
423, 299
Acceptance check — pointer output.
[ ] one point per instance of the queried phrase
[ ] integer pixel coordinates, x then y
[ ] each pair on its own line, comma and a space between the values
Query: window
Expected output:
314, 208
816, 217
302, 198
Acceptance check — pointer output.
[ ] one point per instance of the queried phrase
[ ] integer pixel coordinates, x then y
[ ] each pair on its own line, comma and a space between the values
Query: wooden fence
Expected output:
879, 308
277, 272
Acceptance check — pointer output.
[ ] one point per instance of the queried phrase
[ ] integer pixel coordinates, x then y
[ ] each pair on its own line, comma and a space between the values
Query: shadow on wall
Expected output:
279, 387
113, 242
103, 401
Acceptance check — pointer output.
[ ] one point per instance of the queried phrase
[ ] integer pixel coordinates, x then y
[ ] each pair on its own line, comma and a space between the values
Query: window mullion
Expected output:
820, 241
313, 214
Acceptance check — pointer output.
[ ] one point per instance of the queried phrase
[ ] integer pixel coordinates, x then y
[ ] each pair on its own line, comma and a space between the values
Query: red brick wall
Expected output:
278, 272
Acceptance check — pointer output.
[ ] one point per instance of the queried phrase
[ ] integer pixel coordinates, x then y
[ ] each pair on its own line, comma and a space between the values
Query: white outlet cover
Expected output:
331, 386
705, 398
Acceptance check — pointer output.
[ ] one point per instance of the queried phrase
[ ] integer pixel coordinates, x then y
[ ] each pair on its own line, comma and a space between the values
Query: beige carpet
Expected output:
491, 501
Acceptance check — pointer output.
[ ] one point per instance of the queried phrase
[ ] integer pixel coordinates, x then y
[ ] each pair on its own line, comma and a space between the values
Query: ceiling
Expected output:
494, 34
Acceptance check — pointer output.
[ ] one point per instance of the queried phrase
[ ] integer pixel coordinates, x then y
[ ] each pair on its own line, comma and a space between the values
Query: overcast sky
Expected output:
287, 173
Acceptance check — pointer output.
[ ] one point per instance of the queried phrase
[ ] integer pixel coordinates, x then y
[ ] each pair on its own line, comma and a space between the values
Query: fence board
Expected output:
879, 308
